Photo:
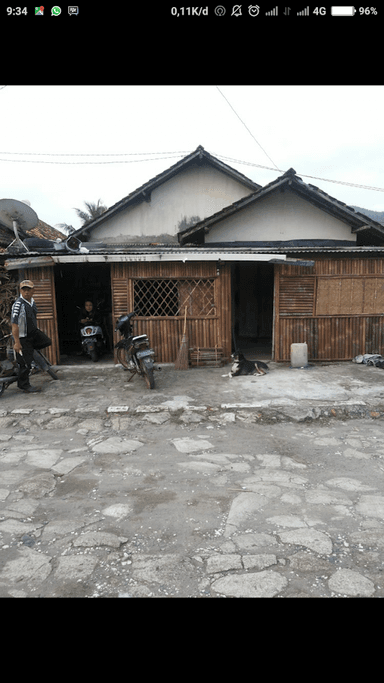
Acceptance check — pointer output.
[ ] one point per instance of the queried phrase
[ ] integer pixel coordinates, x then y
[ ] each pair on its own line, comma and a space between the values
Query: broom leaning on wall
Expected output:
181, 362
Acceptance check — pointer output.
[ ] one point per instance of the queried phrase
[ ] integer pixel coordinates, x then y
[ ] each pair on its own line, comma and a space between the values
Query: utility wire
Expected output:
343, 182
251, 134
326, 180
304, 175
77, 163
173, 155
58, 154
247, 163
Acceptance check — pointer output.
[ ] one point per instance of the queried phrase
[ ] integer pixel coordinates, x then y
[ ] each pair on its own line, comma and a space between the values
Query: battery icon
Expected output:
342, 11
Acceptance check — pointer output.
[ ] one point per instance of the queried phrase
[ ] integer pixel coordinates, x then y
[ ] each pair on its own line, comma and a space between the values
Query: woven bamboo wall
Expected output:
336, 307
44, 295
208, 329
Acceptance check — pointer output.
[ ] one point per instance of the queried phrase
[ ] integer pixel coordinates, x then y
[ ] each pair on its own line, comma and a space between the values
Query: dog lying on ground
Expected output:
242, 366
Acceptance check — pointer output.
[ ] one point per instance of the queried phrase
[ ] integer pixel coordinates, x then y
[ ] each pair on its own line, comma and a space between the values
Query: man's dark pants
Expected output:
37, 340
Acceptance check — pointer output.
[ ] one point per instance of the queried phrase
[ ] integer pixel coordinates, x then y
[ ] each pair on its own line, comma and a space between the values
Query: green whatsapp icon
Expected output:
55, 11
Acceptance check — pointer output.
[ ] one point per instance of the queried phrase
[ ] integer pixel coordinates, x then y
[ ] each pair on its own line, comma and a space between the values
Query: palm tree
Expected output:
94, 210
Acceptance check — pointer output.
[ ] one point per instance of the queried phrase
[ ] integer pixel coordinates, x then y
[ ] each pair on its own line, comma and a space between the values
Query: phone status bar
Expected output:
254, 11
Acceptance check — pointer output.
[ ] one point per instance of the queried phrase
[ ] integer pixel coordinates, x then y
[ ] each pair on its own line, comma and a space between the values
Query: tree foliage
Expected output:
93, 210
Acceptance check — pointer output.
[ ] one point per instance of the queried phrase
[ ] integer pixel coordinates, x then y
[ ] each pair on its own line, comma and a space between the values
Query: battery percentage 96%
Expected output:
367, 10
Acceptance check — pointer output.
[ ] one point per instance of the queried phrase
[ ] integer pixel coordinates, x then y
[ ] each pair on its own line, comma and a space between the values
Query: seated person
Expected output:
88, 315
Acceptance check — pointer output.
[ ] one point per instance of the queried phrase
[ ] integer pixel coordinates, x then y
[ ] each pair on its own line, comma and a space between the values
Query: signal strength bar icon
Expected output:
303, 13
273, 13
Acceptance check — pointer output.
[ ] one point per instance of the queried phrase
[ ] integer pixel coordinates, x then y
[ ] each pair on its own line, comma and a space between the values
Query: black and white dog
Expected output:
242, 366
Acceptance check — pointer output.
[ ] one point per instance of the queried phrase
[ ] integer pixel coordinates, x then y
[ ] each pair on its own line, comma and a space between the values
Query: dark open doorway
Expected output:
252, 308
75, 283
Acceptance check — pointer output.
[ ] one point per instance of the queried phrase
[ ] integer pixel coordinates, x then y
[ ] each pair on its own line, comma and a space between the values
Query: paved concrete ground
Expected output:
334, 385
205, 487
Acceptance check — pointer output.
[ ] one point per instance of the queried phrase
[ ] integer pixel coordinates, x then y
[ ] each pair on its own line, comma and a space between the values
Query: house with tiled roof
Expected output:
41, 231
329, 291
132, 251
45, 232
266, 266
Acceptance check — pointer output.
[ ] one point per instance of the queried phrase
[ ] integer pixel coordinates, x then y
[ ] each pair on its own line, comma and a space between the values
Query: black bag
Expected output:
40, 340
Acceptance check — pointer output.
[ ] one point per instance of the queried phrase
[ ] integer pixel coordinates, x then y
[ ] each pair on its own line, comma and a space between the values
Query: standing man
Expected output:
26, 334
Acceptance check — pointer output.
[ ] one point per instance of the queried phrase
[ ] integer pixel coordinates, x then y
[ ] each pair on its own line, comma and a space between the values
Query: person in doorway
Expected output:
88, 315
27, 336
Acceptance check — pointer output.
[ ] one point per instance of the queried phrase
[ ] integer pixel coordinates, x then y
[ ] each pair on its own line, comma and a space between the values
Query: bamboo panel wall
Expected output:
337, 266
44, 295
330, 338
168, 269
338, 317
165, 332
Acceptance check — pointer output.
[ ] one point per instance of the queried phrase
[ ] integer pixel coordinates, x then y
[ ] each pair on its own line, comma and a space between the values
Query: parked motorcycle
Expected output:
92, 341
133, 352
9, 370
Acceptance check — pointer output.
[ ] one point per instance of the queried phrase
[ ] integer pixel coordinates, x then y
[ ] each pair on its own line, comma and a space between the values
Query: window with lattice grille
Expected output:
170, 297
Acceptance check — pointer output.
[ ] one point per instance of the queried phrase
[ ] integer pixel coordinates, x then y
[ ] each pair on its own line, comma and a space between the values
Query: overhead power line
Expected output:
77, 163
170, 155
326, 180
110, 154
343, 182
251, 134
304, 175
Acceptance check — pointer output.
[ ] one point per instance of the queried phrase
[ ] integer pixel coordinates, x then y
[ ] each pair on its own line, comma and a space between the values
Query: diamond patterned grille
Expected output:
170, 297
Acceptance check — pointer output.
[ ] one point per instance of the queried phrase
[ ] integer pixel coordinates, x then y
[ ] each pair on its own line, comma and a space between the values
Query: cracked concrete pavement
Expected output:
205, 487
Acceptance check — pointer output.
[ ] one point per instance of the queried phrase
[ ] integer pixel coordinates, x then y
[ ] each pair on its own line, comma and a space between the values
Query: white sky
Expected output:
332, 132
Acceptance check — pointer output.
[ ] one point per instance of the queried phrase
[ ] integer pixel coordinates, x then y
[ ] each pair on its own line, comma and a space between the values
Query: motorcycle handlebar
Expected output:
127, 319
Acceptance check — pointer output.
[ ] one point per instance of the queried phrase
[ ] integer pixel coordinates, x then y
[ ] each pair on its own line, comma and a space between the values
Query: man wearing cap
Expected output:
26, 334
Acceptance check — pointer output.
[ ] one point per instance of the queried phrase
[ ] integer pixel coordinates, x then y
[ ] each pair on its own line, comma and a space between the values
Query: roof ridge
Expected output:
199, 152
293, 180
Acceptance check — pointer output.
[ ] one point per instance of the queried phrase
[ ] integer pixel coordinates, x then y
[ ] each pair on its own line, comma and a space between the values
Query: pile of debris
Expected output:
8, 294
370, 359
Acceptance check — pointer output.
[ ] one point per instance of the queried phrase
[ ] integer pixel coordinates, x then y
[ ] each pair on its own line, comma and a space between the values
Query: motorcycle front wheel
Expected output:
147, 372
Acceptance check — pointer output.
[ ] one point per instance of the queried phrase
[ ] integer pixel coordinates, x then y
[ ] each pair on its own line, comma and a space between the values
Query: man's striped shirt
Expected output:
24, 315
